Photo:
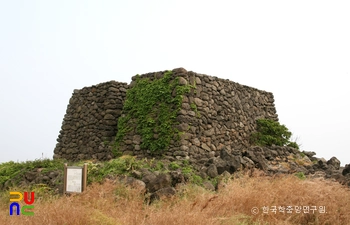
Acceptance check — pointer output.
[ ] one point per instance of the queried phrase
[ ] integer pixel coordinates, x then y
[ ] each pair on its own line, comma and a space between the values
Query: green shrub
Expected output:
174, 166
195, 179
124, 165
270, 132
300, 175
155, 165
15, 171
293, 145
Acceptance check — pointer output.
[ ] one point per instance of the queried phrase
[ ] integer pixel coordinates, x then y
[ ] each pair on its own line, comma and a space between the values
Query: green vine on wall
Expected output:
152, 106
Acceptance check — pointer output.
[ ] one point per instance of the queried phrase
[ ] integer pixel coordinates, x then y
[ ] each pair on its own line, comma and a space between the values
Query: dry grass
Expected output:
115, 204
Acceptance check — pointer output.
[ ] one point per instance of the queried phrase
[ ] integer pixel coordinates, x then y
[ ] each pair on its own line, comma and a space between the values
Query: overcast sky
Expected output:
299, 50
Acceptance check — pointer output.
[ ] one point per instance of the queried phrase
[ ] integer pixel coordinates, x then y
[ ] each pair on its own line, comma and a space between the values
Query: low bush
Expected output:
270, 132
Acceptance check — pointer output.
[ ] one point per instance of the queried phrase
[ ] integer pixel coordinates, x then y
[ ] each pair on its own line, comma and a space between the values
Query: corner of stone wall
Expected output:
90, 123
218, 114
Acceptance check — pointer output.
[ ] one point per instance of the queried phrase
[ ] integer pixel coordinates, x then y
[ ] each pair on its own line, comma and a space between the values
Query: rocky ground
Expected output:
277, 160
271, 161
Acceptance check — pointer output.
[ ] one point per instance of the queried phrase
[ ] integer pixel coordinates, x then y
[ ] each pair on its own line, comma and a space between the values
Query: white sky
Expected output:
299, 50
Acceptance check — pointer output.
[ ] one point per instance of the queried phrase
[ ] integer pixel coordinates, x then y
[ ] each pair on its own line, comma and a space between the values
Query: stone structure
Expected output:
216, 114
90, 123
216, 119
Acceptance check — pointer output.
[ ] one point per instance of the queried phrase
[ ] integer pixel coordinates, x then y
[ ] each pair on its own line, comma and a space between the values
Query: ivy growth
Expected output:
151, 107
194, 108
270, 132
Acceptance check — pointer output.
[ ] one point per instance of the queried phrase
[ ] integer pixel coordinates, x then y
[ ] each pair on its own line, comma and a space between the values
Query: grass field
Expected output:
238, 201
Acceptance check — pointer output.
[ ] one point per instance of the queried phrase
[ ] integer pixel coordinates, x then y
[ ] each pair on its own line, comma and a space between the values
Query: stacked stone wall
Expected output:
224, 116
216, 114
90, 123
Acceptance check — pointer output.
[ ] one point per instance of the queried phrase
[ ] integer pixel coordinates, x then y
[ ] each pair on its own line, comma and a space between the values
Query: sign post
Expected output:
75, 178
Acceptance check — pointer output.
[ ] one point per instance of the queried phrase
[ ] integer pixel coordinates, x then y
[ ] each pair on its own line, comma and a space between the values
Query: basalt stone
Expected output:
53, 174
205, 147
334, 162
220, 164
162, 193
208, 185
182, 81
234, 164
135, 183
158, 182
212, 171
247, 163
309, 154
198, 101
346, 170
30, 176
322, 163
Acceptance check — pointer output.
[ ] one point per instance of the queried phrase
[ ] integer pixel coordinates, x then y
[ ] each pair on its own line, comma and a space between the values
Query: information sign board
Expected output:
75, 178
